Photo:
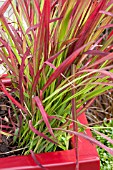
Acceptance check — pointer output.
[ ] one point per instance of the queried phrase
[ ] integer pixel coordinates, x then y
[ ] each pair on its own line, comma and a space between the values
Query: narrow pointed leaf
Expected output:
4, 7
103, 59
104, 136
39, 133
97, 52
12, 98
36, 160
105, 12
21, 75
44, 114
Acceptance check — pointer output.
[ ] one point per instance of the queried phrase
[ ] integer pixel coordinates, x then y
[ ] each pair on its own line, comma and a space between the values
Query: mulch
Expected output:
8, 124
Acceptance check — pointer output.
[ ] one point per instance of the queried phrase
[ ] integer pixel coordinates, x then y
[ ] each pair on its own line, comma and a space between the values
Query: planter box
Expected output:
60, 160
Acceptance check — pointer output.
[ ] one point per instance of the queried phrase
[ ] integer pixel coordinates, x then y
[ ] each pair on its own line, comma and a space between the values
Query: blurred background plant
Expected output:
101, 109
100, 117
106, 160
58, 61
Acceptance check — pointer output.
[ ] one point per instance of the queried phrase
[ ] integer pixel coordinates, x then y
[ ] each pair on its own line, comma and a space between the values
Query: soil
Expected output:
8, 124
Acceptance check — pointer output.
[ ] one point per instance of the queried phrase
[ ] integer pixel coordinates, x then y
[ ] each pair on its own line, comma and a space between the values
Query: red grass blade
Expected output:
17, 36
36, 160
51, 65
104, 136
97, 52
4, 127
4, 7
46, 12
100, 61
21, 74
13, 124
11, 98
40, 134
37, 6
107, 26
105, 12
104, 72
44, 114
32, 28
36, 80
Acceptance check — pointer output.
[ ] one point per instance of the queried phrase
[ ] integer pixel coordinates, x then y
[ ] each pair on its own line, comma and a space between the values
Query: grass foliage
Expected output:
58, 62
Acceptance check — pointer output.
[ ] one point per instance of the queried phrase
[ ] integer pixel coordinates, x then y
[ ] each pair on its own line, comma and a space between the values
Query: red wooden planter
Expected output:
60, 160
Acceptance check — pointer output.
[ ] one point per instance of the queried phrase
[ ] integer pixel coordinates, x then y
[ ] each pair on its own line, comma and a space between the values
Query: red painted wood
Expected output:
60, 160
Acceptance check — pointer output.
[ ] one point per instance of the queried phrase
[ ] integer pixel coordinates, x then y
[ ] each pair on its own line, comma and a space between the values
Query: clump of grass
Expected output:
40, 45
